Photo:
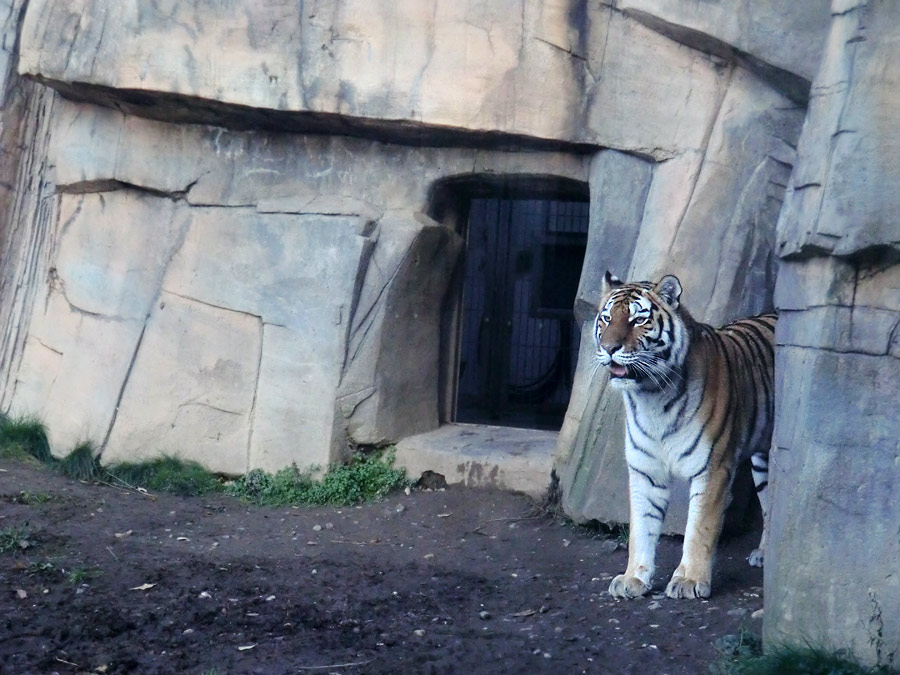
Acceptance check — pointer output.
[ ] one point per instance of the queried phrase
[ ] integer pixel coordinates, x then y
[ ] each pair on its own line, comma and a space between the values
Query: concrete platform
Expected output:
479, 455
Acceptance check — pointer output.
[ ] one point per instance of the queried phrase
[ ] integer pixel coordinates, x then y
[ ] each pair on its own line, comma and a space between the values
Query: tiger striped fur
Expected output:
698, 400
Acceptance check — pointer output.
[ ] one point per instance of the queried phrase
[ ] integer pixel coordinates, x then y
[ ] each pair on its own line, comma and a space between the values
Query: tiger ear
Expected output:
610, 281
669, 289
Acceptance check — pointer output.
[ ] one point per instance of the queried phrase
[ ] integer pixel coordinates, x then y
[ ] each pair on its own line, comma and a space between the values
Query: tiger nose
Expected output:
611, 348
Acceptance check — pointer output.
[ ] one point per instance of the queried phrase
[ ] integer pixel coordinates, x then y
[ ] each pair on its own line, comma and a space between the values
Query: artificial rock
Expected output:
235, 235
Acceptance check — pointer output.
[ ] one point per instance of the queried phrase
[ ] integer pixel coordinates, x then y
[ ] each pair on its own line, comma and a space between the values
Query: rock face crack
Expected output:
121, 394
212, 305
714, 119
252, 416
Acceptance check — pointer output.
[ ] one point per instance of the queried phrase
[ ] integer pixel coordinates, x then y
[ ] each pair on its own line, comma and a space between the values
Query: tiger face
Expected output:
637, 333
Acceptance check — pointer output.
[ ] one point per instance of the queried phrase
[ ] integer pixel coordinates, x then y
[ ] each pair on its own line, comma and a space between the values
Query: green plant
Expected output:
81, 463
167, 474
32, 498
363, 478
743, 655
15, 538
79, 575
23, 437
41, 568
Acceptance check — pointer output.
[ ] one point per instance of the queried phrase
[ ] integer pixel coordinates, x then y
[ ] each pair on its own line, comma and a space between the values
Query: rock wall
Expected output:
217, 294
831, 573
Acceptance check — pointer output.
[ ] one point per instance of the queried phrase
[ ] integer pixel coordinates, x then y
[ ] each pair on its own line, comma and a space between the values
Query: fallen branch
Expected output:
336, 665
502, 520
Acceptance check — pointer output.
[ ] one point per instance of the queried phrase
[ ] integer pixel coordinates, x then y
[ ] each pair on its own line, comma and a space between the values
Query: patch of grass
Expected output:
24, 437
33, 498
168, 474
81, 464
79, 575
45, 568
15, 538
364, 478
743, 655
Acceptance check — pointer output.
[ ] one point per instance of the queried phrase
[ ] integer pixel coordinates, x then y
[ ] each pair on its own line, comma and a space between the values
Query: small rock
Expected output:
270, 598
654, 605
429, 556
608, 546
317, 528
329, 526
419, 632
758, 614
484, 615
400, 508
21, 594
187, 631
205, 595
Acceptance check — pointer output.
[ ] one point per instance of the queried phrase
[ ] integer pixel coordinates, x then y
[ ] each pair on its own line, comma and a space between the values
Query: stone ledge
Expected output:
476, 456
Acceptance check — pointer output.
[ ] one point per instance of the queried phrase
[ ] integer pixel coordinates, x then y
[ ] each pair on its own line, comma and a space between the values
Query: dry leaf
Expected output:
527, 612
182, 539
444, 515
122, 535
142, 587
245, 648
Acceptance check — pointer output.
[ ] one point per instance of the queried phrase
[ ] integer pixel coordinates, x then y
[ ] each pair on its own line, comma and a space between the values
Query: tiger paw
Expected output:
624, 586
757, 557
682, 587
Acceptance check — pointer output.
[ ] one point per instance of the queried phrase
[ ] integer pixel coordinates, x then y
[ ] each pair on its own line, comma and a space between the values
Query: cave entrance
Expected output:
516, 341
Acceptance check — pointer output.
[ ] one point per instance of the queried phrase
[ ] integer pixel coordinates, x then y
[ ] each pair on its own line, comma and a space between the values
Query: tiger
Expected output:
698, 400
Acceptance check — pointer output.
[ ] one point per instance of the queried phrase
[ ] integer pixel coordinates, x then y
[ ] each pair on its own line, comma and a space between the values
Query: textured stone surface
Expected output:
831, 570
737, 184
838, 203
389, 388
335, 67
785, 35
482, 456
294, 245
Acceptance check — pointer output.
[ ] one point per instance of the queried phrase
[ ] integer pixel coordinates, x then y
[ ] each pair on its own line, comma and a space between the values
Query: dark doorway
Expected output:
518, 341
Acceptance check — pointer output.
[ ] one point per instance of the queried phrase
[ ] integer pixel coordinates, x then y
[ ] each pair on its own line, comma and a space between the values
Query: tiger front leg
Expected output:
649, 499
710, 495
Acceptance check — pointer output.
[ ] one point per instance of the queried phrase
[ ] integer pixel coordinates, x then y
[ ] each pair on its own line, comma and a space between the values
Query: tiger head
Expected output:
638, 333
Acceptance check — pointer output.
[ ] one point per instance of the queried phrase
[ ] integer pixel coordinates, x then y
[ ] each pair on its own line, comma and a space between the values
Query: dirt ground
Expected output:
453, 581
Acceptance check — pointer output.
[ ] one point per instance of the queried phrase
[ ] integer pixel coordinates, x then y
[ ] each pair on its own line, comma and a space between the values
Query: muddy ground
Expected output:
454, 581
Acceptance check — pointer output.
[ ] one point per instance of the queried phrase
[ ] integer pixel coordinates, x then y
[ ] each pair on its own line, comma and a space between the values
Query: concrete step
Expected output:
480, 455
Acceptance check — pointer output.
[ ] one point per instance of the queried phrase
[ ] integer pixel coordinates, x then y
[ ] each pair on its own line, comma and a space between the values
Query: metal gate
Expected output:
519, 342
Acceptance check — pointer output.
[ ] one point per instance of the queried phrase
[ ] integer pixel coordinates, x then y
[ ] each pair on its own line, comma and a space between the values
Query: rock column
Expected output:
833, 568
